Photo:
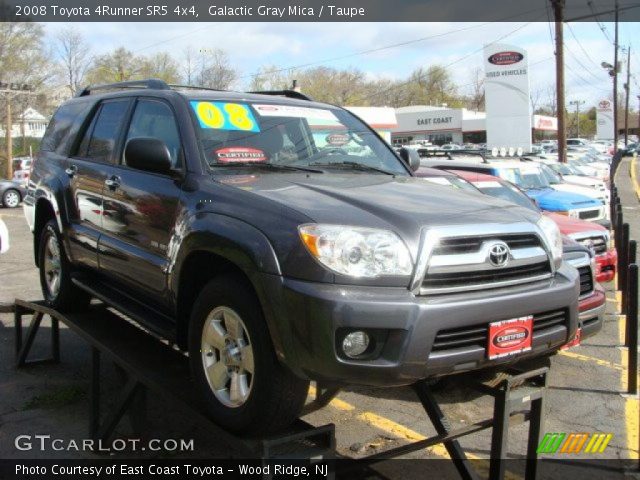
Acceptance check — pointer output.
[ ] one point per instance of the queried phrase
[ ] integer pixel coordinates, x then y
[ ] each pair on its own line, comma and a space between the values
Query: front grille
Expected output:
452, 280
477, 335
586, 280
588, 214
457, 245
465, 263
598, 242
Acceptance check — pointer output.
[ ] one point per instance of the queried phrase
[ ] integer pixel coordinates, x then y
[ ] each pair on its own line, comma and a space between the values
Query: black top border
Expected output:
312, 10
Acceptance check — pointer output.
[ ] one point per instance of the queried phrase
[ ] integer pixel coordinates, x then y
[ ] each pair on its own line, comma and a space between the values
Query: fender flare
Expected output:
240, 244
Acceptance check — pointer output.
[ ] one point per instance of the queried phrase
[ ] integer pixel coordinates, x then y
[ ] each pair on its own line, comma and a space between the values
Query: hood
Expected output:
401, 204
580, 190
569, 226
578, 180
552, 200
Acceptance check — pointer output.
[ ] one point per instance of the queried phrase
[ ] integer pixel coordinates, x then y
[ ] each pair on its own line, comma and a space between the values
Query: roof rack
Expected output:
284, 93
152, 83
193, 87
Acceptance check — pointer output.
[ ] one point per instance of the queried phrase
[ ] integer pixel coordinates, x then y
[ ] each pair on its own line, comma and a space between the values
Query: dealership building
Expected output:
440, 125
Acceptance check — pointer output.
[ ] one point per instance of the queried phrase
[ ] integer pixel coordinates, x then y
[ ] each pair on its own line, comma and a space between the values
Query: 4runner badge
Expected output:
499, 254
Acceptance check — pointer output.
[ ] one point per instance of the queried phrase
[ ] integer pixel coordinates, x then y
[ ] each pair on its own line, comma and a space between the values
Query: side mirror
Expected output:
148, 154
410, 157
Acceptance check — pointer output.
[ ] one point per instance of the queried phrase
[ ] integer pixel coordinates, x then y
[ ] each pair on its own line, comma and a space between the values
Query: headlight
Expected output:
553, 237
357, 251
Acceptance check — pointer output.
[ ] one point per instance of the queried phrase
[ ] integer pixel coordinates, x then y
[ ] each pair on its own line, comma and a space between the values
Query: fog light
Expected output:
355, 344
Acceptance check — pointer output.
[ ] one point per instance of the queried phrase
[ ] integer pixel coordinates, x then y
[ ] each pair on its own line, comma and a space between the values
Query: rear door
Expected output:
133, 250
88, 169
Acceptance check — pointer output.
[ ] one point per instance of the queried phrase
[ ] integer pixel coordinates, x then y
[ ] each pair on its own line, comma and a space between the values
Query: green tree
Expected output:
119, 66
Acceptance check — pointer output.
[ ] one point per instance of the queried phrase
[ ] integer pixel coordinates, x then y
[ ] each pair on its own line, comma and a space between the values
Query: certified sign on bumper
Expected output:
510, 337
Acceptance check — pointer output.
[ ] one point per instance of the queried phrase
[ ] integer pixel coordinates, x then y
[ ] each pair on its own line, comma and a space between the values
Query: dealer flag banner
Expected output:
604, 120
507, 99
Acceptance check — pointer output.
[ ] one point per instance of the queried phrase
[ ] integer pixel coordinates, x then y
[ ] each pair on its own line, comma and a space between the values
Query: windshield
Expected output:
533, 179
552, 177
507, 192
562, 169
269, 134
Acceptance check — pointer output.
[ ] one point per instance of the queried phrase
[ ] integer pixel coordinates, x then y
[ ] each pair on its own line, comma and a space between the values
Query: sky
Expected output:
456, 45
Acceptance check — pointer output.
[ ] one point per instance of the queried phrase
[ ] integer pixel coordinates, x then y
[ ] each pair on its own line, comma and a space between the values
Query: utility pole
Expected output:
9, 92
615, 83
627, 87
558, 12
577, 103
9, 138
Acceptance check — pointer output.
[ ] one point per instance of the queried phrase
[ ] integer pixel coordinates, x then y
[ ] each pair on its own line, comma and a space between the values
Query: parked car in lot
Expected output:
557, 183
588, 234
571, 175
578, 253
11, 193
528, 177
275, 251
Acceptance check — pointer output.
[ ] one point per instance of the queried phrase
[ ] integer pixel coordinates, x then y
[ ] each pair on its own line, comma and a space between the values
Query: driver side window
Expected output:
154, 119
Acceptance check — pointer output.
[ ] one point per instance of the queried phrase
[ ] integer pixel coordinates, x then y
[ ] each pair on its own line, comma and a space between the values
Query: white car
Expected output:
602, 146
571, 175
4, 237
557, 183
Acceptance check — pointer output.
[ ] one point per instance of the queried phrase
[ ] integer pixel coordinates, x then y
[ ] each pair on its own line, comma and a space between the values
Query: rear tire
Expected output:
234, 365
55, 273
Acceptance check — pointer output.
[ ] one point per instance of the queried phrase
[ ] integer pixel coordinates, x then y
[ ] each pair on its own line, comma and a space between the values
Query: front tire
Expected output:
11, 198
234, 364
55, 273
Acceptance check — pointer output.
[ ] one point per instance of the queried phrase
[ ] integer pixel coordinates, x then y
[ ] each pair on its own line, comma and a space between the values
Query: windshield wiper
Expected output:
272, 166
354, 165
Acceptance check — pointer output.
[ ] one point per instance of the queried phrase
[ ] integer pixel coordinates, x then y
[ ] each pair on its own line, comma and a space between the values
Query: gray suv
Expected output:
278, 240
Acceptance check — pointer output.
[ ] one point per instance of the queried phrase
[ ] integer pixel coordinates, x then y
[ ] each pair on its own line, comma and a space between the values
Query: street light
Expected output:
577, 103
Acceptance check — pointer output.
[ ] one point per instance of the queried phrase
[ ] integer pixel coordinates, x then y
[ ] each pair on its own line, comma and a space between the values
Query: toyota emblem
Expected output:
499, 254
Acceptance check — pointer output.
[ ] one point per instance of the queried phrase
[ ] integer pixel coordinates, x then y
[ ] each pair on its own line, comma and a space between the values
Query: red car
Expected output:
589, 234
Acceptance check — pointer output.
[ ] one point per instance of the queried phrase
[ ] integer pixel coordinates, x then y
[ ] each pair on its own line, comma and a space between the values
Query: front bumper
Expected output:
591, 316
308, 317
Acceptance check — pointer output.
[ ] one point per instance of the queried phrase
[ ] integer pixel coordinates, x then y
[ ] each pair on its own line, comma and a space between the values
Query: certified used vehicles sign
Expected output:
509, 337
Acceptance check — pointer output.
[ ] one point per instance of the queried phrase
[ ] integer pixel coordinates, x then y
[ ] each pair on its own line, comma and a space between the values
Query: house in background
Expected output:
30, 123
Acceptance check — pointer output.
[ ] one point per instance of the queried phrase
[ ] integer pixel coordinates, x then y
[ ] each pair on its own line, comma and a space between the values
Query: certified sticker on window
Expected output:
240, 154
225, 116
294, 111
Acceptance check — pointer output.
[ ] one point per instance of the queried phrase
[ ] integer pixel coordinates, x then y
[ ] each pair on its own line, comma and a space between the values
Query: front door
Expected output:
134, 250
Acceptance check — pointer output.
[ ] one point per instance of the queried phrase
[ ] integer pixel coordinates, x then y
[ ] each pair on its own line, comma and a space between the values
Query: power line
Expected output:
410, 81
588, 70
372, 50
602, 27
580, 45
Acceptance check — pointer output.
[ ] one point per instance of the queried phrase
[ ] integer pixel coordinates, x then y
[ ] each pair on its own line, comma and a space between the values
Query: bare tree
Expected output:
75, 57
535, 96
189, 65
271, 77
215, 70
476, 100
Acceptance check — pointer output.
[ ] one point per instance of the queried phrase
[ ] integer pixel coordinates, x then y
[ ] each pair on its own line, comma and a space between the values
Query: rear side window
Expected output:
63, 127
100, 138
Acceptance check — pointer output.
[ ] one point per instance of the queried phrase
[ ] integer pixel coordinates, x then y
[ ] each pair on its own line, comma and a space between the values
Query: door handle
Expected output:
71, 171
112, 183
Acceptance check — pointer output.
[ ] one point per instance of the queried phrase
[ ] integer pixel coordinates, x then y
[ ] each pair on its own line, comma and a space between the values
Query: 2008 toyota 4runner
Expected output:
279, 240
